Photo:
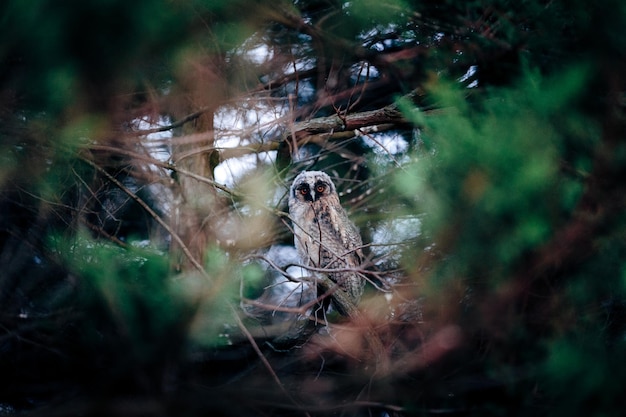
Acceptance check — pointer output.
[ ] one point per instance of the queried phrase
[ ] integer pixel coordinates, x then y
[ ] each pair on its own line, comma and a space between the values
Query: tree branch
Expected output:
154, 215
387, 117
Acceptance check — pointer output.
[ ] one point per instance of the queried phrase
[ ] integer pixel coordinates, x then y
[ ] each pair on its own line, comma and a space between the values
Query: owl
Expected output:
323, 234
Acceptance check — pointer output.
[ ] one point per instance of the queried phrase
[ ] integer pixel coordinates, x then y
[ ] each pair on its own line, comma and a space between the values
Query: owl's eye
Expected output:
304, 189
320, 188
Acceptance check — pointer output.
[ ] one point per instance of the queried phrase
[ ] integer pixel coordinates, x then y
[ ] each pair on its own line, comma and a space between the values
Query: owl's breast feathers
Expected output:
325, 237
342, 228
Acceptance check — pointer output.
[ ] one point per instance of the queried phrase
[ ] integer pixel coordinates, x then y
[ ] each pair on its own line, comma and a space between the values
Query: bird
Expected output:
325, 237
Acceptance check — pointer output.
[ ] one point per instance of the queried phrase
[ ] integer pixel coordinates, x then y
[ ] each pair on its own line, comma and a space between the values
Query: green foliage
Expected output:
495, 182
489, 174
63, 47
127, 295
388, 12
508, 205
572, 367
253, 280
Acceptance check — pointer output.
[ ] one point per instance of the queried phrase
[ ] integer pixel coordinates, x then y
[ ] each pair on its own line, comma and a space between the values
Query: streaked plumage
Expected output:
324, 235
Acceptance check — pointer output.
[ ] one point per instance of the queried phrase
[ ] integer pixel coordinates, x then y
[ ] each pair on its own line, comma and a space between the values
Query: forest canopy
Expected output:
147, 259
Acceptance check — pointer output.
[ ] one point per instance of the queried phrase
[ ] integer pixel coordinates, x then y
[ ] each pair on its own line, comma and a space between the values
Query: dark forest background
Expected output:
146, 258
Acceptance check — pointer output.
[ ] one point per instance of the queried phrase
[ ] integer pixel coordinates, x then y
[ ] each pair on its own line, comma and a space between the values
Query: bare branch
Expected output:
387, 115
261, 356
178, 123
153, 214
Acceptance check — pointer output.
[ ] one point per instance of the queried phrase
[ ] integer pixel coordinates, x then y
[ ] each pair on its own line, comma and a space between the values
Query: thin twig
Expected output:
200, 269
154, 215
178, 123
262, 357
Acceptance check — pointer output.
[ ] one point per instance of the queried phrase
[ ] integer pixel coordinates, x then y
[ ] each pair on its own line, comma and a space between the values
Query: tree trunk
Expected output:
196, 208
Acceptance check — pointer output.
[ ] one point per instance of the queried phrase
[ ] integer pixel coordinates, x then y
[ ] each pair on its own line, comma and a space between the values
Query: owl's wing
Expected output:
350, 238
355, 246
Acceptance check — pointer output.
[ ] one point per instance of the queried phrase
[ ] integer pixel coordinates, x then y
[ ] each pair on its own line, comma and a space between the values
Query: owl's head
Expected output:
311, 186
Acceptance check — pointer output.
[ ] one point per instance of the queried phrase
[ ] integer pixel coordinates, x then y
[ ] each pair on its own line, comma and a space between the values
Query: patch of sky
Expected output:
157, 143
287, 292
248, 122
363, 71
260, 54
386, 143
299, 65
379, 32
240, 127
255, 50
158, 146
471, 71
388, 237
232, 170
304, 89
